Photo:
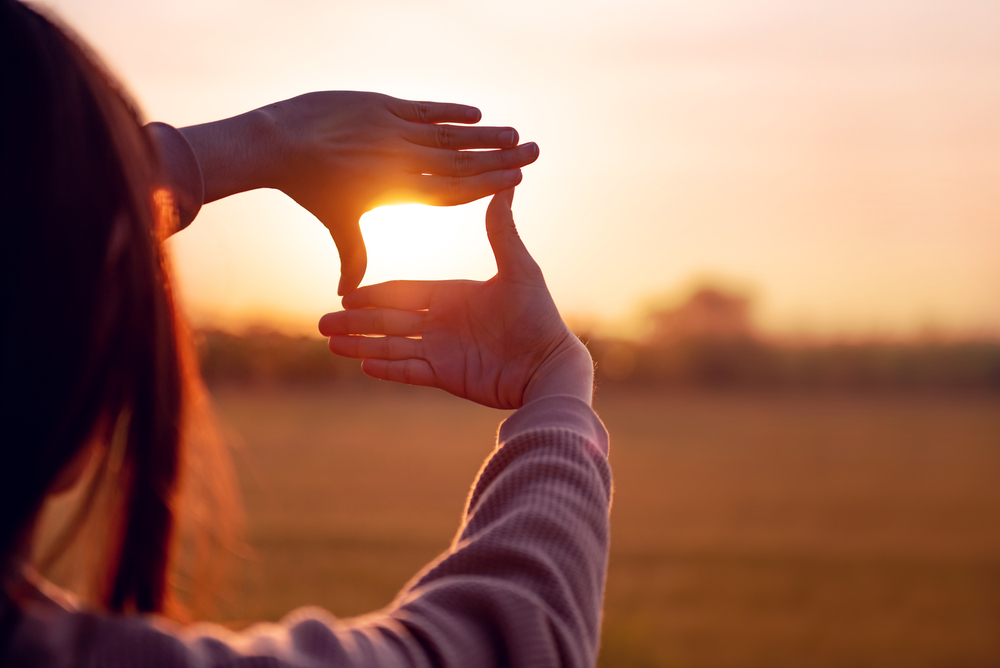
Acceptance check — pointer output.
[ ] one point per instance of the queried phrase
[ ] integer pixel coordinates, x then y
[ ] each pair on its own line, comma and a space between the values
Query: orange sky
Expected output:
839, 159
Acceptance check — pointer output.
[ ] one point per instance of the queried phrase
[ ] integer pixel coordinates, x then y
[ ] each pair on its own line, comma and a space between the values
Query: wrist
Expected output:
181, 171
568, 371
236, 154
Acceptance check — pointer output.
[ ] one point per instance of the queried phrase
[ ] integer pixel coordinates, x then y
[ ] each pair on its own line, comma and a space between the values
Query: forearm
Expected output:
525, 577
521, 586
203, 163
236, 154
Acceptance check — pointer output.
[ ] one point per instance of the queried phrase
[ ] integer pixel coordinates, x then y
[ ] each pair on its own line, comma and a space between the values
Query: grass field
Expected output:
747, 530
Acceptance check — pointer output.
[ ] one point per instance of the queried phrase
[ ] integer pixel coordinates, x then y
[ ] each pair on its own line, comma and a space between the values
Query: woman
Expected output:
98, 375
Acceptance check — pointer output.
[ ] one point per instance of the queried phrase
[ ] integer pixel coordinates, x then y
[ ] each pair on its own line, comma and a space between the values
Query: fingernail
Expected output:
472, 115
533, 149
508, 138
512, 175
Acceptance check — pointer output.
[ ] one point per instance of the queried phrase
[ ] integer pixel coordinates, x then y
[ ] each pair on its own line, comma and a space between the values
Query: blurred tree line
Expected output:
261, 356
708, 341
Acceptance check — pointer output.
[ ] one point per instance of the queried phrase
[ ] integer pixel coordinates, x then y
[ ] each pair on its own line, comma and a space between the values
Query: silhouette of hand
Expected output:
342, 153
349, 152
500, 342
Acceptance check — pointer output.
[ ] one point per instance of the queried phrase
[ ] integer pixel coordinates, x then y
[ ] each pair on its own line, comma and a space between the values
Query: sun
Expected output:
414, 241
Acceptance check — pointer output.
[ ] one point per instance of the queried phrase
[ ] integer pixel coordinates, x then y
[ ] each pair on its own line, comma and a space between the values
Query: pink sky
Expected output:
840, 159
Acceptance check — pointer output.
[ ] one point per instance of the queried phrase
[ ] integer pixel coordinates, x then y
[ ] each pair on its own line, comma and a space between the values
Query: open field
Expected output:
748, 530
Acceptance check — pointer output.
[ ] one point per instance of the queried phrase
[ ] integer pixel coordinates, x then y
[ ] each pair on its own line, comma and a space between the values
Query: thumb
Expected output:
512, 257
353, 256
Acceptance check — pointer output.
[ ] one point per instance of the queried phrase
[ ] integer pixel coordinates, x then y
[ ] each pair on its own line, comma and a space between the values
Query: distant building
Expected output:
709, 313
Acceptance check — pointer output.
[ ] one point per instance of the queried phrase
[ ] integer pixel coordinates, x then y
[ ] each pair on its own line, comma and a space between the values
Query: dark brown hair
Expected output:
89, 341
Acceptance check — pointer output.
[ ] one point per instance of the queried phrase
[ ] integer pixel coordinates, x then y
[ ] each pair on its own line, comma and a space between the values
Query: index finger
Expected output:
434, 112
403, 295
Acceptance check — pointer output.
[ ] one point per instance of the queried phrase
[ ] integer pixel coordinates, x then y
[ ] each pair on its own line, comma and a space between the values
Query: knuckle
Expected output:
378, 321
444, 136
423, 111
510, 159
452, 189
464, 163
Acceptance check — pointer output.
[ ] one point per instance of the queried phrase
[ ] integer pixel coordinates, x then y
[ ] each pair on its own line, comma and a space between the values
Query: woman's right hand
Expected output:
500, 343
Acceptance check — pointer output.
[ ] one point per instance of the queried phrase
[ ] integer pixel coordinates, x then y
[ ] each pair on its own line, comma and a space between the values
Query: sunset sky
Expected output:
838, 159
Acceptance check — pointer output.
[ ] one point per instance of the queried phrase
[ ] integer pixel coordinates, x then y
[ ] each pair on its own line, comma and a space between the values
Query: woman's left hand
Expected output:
342, 153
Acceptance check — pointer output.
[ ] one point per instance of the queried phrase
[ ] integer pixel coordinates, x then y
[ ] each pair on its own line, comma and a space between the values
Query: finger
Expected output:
403, 295
470, 163
451, 190
378, 347
434, 112
387, 322
353, 256
513, 259
458, 137
411, 372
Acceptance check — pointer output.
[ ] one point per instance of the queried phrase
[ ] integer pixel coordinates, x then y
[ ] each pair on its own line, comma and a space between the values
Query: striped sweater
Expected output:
521, 585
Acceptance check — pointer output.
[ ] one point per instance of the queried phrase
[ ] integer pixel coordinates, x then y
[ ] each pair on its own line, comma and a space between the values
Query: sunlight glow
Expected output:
414, 241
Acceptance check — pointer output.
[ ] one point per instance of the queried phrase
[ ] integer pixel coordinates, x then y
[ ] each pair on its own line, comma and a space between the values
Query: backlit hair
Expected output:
91, 350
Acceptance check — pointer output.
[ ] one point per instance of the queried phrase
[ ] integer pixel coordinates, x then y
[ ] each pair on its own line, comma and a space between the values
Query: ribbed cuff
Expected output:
559, 411
181, 171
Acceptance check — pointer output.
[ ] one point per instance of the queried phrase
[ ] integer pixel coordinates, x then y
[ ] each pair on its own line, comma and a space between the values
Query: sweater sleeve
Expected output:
521, 585
181, 172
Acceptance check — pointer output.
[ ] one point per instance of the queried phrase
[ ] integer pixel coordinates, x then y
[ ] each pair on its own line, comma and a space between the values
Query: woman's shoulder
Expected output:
52, 629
